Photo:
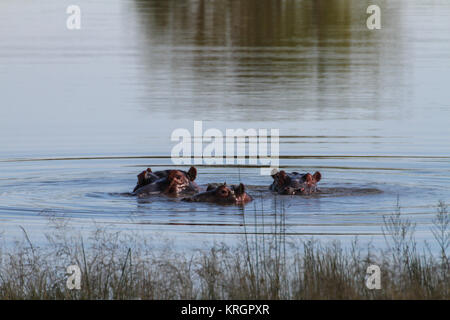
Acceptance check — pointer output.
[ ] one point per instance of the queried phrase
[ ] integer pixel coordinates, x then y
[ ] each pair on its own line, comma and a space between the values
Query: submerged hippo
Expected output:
222, 194
148, 176
170, 182
295, 183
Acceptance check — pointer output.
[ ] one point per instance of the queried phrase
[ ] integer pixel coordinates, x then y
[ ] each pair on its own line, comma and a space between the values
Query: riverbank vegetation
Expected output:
264, 265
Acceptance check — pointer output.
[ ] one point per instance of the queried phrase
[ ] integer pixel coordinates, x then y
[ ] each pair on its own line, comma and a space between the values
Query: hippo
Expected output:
148, 176
295, 183
222, 194
170, 182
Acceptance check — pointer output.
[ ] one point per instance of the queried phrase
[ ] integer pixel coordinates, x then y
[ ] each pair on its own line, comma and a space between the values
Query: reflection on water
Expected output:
83, 111
283, 59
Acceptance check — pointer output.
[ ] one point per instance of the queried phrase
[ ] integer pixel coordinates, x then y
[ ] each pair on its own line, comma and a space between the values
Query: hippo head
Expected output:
295, 183
222, 194
168, 177
181, 181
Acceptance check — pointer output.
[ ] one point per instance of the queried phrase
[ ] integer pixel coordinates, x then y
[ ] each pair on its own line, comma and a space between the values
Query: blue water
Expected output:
83, 112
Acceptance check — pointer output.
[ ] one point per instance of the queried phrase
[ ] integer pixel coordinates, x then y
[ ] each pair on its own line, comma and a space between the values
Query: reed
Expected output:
264, 265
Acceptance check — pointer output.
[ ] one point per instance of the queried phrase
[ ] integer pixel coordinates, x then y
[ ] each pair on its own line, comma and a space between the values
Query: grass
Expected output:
264, 265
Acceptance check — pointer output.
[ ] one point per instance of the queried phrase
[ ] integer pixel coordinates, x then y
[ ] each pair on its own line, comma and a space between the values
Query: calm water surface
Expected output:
82, 112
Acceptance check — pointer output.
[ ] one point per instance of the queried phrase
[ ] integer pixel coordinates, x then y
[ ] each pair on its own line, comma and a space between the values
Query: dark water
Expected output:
82, 112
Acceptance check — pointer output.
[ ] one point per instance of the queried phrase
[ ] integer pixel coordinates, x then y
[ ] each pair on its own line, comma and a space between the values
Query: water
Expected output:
82, 112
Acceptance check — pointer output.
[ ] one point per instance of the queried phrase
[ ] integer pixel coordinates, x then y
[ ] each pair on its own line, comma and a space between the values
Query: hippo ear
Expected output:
275, 174
141, 177
283, 178
317, 176
192, 173
240, 189
279, 175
